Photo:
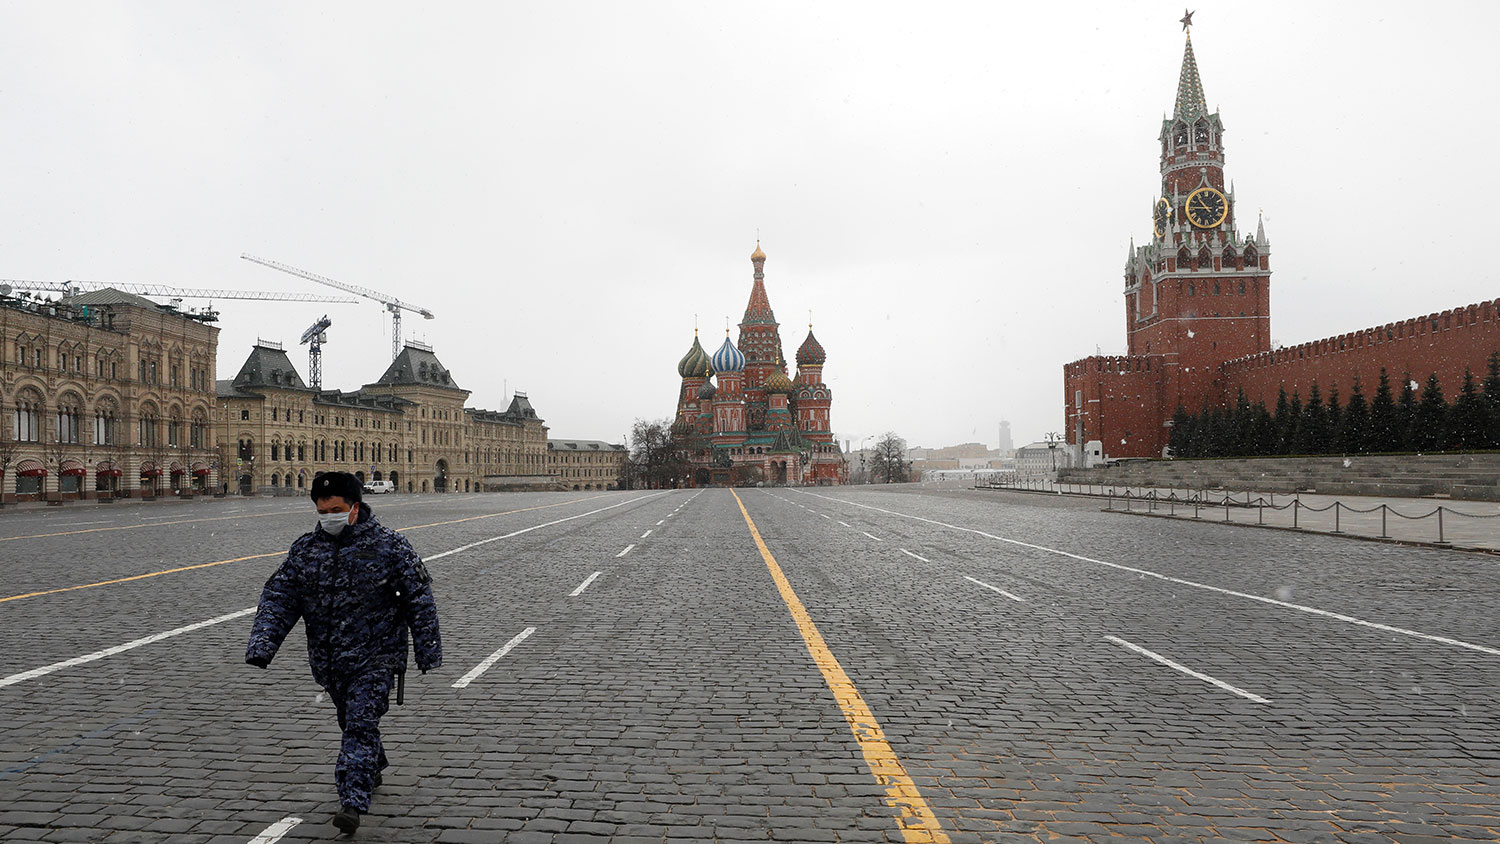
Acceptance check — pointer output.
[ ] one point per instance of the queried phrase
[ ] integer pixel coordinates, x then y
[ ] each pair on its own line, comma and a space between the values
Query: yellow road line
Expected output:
138, 527
259, 556
915, 818
136, 577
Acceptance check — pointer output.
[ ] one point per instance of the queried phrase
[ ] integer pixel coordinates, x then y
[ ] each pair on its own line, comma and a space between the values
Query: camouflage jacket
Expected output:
357, 594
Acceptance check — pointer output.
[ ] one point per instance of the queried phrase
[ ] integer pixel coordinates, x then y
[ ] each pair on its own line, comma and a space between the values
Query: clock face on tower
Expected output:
1160, 215
1206, 208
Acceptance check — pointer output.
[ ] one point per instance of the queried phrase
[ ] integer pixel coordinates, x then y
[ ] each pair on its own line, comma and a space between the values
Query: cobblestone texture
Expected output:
674, 700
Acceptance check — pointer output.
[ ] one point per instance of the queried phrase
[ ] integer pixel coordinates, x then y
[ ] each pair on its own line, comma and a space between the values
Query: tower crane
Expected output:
392, 304
73, 288
313, 337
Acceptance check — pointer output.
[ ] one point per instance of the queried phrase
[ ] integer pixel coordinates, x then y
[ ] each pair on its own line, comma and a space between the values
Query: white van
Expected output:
373, 487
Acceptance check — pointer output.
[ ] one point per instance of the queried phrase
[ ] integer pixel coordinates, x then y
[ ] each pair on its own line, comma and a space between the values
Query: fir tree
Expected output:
1265, 430
1386, 431
1354, 428
1430, 420
1406, 415
1335, 421
1180, 439
1312, 434
1469, 418
1281, 424
1492, 399
1290, 437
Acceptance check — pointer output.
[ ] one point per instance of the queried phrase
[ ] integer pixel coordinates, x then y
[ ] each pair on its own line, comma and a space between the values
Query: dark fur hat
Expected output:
341, 484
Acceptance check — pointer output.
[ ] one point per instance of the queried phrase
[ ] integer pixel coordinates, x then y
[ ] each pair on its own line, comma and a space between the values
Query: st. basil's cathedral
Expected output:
757, 423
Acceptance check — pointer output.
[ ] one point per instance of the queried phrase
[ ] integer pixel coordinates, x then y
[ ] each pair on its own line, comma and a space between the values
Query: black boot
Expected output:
347, 819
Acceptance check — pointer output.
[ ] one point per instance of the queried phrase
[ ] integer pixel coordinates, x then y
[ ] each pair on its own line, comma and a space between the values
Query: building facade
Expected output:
757, 424
409, 426
105, 392
586, 464
1197, 302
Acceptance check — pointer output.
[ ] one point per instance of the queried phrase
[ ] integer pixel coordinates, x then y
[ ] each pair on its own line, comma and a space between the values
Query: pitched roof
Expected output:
418, 367
520, 406
268, 367
583, 445
111, 296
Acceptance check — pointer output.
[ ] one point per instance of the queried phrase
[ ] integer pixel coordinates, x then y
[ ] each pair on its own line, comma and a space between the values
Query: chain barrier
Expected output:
1199, 500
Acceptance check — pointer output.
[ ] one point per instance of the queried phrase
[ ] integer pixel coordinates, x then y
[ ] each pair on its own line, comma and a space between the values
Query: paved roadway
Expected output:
899, 664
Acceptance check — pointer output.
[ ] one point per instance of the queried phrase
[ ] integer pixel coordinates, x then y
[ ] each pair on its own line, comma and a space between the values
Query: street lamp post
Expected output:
1053, 439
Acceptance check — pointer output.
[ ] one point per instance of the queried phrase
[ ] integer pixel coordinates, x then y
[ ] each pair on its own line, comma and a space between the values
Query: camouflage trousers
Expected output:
361, 699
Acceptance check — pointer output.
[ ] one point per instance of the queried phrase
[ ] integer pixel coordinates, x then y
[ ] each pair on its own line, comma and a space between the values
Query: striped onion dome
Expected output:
811, 353
728, 358
707, 391
777, 382
695, 363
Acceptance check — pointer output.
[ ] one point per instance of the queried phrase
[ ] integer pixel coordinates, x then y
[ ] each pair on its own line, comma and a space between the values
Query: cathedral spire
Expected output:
1191, 104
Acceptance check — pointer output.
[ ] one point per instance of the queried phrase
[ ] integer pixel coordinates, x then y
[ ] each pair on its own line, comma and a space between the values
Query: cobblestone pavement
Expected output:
1042, 671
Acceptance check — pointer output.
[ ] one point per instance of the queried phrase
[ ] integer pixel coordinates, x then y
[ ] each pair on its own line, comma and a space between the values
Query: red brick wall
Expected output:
1122, 399
1463, 337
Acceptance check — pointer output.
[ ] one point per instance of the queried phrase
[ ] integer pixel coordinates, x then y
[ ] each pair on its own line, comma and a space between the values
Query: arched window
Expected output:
148, 425
28, 418
67, 419
198, 429
1191, 290
1227, 260
1205, 259
1180, 134
1200, 132
1184, 259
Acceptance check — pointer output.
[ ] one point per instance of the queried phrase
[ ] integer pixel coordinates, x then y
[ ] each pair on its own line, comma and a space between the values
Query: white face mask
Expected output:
333, 523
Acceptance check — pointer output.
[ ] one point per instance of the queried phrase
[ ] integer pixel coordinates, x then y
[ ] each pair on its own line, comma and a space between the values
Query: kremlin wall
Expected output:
1197, 313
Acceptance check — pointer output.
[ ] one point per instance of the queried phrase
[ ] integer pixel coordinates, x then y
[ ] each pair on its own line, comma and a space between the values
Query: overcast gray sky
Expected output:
950, 189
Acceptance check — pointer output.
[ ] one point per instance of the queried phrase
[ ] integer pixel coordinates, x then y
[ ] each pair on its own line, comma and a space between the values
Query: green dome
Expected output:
695, 363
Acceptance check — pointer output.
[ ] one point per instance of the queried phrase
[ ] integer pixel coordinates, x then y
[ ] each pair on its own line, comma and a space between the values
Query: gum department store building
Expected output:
109, 392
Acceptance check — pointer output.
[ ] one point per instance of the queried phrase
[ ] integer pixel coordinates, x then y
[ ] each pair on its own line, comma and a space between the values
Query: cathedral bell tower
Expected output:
1198, 293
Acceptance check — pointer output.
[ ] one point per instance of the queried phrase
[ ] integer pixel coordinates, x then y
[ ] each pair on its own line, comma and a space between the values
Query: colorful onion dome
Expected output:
707, 391
757, 255
728, 358
777, 382
695, 363
682, 427
811, 353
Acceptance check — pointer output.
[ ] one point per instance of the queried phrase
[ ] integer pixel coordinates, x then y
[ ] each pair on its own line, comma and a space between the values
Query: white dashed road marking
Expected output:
918, 556
493, 658
873, 536
1188, 671
1336, 616
584, 585
626, 551
846, 524
659, 524
274, 832
646, 534
996, 589
535, 527
147, 640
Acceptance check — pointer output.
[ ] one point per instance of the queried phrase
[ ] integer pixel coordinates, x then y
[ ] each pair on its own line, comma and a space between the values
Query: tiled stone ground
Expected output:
674, 699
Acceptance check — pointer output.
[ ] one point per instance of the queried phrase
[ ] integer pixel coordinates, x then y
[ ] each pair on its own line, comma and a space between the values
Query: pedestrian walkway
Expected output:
1467, 525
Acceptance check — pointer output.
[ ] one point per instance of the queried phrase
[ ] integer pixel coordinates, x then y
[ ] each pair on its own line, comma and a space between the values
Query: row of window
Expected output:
26, 427
107, 366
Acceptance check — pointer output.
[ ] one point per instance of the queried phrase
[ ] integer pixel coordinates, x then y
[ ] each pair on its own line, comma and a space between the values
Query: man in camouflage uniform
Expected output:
357, 585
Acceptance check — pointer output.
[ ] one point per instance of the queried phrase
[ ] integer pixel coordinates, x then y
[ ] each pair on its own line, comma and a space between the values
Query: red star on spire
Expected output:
1187, 19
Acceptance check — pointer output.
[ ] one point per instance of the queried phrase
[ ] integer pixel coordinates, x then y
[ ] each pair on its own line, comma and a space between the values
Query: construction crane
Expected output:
392, 304
73, 288
314, 339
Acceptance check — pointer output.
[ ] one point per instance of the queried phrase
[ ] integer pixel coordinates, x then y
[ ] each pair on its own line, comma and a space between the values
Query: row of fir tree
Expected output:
1407, 418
